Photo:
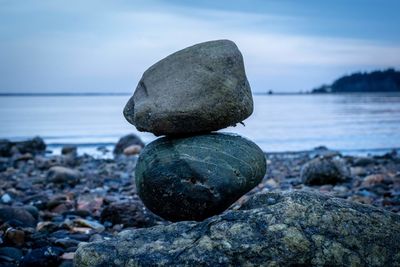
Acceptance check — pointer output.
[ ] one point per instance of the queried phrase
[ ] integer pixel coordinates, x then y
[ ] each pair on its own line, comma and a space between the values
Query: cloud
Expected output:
107, 49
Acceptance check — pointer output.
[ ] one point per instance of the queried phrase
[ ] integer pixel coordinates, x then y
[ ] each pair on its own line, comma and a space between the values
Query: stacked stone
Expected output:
192, 173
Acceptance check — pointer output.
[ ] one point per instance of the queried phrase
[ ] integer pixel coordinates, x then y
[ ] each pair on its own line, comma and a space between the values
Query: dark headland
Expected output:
364, 82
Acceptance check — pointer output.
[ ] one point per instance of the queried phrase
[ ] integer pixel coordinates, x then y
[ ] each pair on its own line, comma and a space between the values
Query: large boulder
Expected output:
198, 89
195, 177
126, 142
272, 229
325, 170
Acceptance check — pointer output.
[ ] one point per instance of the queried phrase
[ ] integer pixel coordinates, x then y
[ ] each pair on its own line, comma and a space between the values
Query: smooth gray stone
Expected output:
295, 229
193, 178
201, 88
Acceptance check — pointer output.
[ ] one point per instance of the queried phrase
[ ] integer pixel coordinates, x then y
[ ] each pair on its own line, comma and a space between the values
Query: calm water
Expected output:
352, 122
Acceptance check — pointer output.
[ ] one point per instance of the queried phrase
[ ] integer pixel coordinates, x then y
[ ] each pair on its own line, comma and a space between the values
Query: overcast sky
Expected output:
105, 46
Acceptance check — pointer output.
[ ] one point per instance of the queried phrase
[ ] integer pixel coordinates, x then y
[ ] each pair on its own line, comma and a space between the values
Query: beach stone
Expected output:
69, 150
324, 170
296, 229
10, 254
129, 214
5, 148
21, 215
195, 177
46, 256
33, 146
63, 175
198, 89
127, 141
132, 150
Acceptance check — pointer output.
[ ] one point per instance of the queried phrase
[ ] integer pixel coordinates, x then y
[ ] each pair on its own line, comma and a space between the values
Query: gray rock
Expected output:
324, 170
21, 215
127, 141
69, 150
296, 228
5, 148
195, 177
33, 146
63, 175
198, 89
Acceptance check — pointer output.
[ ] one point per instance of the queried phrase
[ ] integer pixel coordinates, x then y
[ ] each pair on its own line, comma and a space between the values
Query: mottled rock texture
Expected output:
198, 89
272, 229
324, 170
195, 177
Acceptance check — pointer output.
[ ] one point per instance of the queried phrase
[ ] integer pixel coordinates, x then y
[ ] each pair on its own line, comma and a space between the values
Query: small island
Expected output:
376, 81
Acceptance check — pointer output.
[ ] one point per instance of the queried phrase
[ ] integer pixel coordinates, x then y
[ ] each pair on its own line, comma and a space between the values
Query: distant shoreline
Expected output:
129, 94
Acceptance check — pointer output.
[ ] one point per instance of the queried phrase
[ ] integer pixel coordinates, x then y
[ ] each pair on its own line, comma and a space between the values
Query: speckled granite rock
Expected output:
196, 177
201, 88
297, 228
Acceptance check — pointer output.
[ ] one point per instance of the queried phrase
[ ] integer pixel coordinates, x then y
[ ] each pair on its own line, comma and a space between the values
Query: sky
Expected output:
71, 46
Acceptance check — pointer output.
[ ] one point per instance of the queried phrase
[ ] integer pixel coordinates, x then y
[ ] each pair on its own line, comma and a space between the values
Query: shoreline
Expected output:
58, 201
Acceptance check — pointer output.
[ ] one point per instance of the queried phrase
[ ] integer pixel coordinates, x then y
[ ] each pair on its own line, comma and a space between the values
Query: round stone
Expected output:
198, 89
195, 177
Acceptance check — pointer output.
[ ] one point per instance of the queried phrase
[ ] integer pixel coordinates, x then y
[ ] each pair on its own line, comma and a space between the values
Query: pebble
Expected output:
6, 198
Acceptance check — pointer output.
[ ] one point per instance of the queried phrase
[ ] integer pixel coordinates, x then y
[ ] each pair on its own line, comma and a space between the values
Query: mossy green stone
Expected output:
195, 177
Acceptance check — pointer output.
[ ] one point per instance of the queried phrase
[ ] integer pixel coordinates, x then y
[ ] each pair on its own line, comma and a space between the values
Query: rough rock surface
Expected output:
198, 89
127, 141
272, 229
195, 177
324, 170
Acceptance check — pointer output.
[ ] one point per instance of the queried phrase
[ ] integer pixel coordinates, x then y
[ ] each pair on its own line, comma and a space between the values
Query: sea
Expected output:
351, 123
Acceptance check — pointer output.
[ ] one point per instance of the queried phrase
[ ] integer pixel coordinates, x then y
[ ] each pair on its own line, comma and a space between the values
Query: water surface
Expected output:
347, 122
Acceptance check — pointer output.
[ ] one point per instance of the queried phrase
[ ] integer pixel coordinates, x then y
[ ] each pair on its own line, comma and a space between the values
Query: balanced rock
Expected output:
324, 170
292, 229
198, 89
195, 177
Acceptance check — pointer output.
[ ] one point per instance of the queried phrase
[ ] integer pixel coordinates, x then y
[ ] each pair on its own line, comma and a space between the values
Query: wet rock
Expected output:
129, 214
21, 215
299, 228
6, 198
42, 257
324, 170
132, 150
14, 237
126, 141
33, 146
198, 89
195, 177
63, 175
5, 148
69, 150
10, 254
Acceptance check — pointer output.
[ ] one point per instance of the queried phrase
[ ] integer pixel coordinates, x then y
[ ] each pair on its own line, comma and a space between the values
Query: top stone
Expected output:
201, 88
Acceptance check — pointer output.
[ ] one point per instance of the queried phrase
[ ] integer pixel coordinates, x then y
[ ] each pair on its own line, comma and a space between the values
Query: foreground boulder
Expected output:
195, 177
198, 89
297, 228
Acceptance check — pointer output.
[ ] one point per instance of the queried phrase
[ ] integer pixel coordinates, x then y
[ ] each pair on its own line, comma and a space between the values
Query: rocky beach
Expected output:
52, 203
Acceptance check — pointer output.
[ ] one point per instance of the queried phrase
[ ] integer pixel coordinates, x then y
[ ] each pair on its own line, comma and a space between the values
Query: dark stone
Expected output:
324, 170
126, 141
299, 229
33, 146
201, 88
129, 214
195, 177
10, 254
63, 175
20, 215
5, 148
69, 150
42, 257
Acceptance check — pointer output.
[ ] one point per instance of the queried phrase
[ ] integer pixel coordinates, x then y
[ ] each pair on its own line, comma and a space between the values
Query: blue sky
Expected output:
105, 46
